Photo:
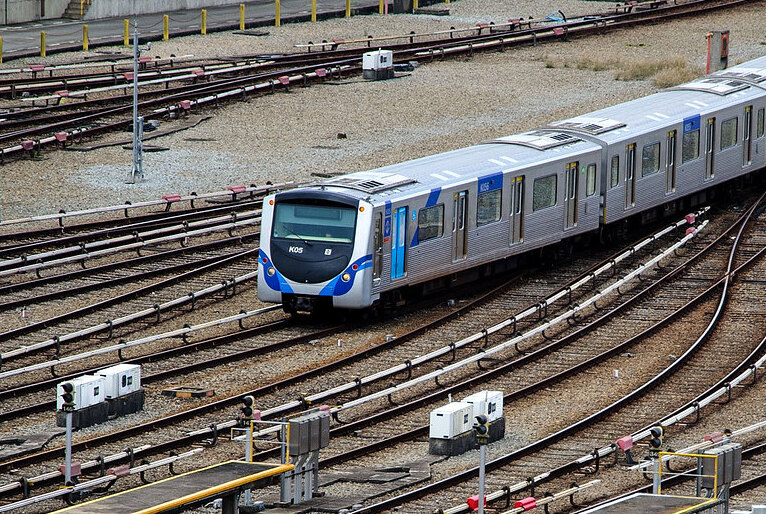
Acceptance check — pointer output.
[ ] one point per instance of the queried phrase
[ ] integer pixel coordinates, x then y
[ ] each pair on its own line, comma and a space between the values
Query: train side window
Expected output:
650, 159
615, 178
729, 133
431, 222
759, 123
124, 380
590, 182
544, 192
488, 207
691, 146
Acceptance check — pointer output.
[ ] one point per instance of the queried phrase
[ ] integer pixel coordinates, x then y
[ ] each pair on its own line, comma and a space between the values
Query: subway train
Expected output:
367, 238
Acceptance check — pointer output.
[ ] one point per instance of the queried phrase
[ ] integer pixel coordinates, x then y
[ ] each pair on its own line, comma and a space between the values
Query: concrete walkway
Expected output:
64, 35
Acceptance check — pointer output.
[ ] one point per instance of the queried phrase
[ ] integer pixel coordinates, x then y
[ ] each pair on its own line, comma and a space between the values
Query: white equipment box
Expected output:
489, 403
88, 390
451, 420
378, 64
121, 379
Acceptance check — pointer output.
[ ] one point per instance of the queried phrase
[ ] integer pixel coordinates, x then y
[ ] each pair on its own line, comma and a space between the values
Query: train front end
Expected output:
315, 251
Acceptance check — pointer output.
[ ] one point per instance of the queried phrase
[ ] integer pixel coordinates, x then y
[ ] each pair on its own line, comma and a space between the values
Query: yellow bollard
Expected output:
348, 8
380, 7
42, 43
414, 4
126, 34
1, 50
165, 27
85, 41
204, 21
277, 21
241, 16
313, 10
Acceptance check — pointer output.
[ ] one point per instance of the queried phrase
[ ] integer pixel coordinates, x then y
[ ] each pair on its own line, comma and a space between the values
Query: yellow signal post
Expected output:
241, 16
204, 21
42, 43
348, 8
313, 10
85, 37
165, 27
277, 21
126, 34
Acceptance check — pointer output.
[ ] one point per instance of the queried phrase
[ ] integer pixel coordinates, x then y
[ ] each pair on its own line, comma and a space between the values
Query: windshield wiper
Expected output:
290, 231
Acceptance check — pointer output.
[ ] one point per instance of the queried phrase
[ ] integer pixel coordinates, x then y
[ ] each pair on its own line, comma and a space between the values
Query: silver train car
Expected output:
352, 240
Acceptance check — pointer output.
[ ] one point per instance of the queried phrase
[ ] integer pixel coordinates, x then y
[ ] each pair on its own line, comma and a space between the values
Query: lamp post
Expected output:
138, 121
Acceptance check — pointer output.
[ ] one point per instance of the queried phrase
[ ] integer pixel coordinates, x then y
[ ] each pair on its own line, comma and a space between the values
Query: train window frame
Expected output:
759, 124
552, 197
615, 171
590, 180
496, 196
728, 137
690, 146
423, 230
650, 159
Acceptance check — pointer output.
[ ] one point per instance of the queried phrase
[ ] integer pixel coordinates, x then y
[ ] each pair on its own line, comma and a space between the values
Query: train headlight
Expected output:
270, 272
345, 277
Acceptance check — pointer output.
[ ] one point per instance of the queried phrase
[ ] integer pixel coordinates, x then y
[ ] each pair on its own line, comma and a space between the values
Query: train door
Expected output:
747, 139
517, 210
377, 255
670, 163
459, 218
709, 146
630, 176
570, 193
399, 243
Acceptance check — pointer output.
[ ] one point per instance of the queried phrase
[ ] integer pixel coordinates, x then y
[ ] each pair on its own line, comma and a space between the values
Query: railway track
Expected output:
325, 372
541, 450
45, 126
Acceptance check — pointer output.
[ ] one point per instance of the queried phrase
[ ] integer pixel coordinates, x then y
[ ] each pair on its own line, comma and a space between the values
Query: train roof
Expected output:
464, 165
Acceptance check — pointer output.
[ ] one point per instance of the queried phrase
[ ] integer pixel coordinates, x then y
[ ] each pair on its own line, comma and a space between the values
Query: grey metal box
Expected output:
709, 468
314, 430
324, 429
298, 442
736, 461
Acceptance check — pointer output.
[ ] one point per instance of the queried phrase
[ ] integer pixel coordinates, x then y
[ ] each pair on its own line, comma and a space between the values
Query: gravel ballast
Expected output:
438, 107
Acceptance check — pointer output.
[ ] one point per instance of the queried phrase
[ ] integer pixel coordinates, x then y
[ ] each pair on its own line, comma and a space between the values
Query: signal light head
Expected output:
248, 401
67, 387
657, 434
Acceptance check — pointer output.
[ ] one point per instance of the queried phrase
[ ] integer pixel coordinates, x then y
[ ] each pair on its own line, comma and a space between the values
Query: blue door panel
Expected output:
398, 243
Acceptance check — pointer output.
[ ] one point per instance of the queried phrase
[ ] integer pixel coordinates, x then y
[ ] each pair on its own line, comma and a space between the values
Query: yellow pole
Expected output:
241, 16
204, 21
277, 21
414, 4
1, 49
126, 34
313, 10
348, 8
42, 43
165, 27
380, 7
85, 37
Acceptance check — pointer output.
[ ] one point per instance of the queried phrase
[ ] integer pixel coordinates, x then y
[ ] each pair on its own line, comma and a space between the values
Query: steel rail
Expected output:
108, 325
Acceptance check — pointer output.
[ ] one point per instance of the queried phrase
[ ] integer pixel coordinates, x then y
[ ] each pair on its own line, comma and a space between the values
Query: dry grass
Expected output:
663, 72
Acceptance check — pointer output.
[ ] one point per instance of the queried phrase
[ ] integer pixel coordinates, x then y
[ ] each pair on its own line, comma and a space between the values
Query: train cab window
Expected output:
691, 146
615, 177
488, 207
590, 180
431, 222
650, 159
759, 123
544, 192
729, 133
314, 222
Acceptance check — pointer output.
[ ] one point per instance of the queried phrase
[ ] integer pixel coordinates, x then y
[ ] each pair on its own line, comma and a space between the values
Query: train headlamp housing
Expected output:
270, 272
345, 277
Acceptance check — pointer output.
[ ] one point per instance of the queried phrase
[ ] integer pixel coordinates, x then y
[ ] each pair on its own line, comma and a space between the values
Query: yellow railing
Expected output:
83, 3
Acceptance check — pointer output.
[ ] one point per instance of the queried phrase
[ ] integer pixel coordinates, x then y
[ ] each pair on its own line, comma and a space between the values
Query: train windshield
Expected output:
312, 222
